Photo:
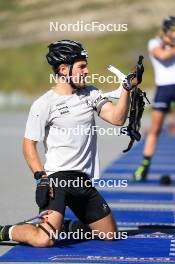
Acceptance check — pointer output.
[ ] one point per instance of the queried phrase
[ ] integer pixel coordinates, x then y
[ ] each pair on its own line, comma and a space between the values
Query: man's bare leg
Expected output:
35, 236
152, 137
150, 144
107, 225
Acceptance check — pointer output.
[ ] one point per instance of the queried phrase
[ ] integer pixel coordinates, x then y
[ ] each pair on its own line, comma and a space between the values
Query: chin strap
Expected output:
136, 106
70, 78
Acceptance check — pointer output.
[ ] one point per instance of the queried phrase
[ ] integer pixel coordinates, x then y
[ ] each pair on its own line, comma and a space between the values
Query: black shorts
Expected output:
165, 94
78, 194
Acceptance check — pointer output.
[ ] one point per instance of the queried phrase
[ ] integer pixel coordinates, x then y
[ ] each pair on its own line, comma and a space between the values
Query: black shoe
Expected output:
1, 233
4, 233
141, 173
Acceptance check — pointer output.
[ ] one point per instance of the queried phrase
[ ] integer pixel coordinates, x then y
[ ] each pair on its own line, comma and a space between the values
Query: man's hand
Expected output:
135, 76
130, 81
42, 191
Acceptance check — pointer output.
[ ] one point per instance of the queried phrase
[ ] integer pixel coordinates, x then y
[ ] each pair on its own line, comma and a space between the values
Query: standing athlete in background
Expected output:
162, 54
68, 104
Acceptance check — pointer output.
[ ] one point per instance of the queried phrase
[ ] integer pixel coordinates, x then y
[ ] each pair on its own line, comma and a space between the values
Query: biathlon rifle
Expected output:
38, 219
138, 98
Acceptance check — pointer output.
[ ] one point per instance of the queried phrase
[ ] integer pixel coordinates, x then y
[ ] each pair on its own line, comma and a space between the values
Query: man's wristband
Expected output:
39, 174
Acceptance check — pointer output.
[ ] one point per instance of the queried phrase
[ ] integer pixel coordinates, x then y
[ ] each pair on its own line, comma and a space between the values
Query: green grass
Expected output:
8, 5
25, 68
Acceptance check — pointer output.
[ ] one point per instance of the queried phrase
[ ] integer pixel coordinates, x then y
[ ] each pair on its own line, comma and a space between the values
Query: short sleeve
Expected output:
98, 99
37, 121
153, 43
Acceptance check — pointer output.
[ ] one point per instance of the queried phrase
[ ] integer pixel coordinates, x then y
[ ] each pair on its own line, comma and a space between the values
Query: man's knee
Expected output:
110, 236
106, 231
155, 131
43, 240
46, 242
45, 237
107, 235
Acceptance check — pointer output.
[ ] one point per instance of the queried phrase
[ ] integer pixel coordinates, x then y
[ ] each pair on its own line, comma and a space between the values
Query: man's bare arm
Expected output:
31, 155
116, 114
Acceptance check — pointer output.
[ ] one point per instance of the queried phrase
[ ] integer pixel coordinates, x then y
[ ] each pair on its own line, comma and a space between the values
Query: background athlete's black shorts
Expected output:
85, 201
165, 94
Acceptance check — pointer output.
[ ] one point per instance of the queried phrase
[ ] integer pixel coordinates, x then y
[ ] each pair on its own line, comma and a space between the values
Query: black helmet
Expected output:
65, 51
169, 23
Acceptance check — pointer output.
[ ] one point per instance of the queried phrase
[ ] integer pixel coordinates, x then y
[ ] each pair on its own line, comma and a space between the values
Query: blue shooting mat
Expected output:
131, 209
132, 170
143, 249
150, 182
135, 217
138, 197
162, 162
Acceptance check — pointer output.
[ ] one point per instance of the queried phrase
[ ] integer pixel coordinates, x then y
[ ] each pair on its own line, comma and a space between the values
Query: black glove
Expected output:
42, 191
135, 76
127, 82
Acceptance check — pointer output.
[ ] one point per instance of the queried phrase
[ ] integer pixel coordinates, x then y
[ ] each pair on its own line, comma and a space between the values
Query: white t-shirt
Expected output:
65, 125
164, 70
